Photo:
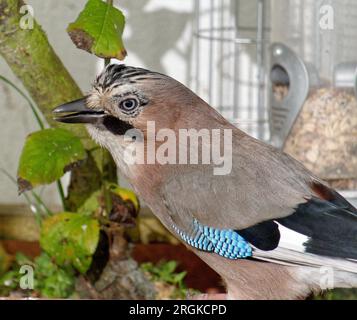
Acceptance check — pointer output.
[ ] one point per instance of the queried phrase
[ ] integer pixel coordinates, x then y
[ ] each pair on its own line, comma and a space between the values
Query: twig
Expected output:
61, 193
107, 60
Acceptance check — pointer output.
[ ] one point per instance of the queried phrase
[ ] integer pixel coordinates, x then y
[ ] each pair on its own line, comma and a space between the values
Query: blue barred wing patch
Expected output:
225, 242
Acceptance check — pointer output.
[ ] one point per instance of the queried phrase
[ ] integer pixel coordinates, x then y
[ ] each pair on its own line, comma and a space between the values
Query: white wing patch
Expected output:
291, 251
292, 240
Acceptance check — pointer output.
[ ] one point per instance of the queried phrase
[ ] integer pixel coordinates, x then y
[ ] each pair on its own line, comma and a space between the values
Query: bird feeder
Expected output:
313, 73
230, 53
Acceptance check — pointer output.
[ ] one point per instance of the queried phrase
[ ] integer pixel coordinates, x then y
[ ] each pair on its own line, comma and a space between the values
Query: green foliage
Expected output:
9, 282
98, 30
47, 154
91, 204
125, 194
50, 281
338, 294
71, 239
164, 271
96, 200
68, 240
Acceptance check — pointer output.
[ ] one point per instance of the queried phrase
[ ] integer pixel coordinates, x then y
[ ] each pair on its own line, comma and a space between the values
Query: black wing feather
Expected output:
330, 224
264, 236
328, 219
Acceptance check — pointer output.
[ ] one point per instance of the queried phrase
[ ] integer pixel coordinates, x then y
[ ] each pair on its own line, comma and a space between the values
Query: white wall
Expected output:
157, 37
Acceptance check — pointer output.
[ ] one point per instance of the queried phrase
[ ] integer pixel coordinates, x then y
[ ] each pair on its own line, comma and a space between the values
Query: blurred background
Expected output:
284, 71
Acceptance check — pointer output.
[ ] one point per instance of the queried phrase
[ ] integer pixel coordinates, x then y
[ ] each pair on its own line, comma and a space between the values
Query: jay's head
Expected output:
124, 98
124, 101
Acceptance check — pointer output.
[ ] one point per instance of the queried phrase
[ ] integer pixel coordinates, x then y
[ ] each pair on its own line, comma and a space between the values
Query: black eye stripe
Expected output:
116, 126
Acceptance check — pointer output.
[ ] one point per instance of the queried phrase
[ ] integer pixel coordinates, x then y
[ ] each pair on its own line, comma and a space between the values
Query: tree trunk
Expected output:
34, 62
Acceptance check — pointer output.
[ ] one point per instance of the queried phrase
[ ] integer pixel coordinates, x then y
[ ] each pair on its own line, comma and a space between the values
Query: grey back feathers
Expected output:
255, 191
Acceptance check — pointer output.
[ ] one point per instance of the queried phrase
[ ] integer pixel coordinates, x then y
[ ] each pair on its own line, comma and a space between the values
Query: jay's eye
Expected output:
128, 104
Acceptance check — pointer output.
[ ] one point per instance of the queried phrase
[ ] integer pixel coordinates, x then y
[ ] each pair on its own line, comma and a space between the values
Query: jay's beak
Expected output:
77, 112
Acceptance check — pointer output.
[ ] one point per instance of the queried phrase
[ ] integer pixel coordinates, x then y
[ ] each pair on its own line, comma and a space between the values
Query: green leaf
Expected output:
98, 29
71, 239
46, 156
125, 194
91, 204
178, 277
169, 267
22, 259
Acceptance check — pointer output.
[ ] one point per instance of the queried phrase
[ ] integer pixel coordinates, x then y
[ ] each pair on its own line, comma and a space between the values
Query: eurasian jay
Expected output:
269, 227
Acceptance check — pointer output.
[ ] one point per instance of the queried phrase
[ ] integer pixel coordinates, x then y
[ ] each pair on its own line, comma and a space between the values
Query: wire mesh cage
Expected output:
231, 55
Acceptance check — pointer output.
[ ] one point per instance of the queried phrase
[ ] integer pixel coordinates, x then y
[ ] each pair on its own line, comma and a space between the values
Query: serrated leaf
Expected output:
98, 29
70, 238
46, 156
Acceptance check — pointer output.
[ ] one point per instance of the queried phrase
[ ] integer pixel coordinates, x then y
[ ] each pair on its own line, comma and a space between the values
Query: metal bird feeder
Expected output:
284, 71
313, 73
230, 55
314, 46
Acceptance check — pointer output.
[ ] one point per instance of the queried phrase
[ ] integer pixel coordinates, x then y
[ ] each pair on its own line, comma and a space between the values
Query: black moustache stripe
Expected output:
116, 126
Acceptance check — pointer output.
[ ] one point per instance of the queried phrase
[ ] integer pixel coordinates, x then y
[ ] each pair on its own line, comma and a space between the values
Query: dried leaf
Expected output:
98, 30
